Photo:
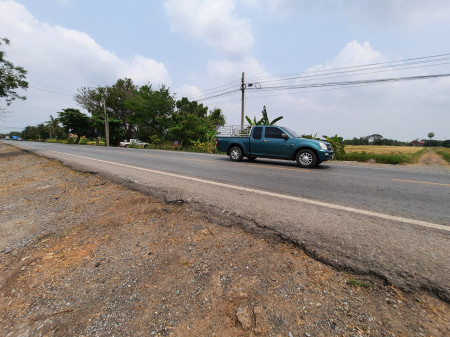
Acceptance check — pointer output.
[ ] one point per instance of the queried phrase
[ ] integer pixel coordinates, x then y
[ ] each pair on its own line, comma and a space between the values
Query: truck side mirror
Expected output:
284, 136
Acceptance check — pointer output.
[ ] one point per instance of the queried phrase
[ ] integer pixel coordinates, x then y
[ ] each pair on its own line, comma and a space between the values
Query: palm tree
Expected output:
430, 135
53, 126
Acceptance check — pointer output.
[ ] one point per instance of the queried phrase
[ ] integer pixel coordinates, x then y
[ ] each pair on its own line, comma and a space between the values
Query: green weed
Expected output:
358, 283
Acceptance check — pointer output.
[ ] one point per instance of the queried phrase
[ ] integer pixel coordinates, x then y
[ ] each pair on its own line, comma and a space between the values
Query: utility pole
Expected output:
106, 123
242, 104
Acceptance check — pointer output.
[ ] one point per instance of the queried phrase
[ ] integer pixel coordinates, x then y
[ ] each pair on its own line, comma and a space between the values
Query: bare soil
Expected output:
431, 158
81, 256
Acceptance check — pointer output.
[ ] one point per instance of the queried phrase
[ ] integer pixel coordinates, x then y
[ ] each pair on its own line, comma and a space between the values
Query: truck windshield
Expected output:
291, 132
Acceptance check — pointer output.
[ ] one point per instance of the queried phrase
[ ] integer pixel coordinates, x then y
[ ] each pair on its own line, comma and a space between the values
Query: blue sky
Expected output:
193, 46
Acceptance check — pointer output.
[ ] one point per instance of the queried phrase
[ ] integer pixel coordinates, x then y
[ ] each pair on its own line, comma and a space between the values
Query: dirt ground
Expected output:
431, 158
81, 256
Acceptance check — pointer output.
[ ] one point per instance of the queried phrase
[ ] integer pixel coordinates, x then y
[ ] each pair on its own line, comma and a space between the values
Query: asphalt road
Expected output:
384, 220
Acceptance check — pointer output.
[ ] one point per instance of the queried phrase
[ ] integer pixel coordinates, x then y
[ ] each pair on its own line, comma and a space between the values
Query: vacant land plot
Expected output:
374, 149
381, 154
81, 256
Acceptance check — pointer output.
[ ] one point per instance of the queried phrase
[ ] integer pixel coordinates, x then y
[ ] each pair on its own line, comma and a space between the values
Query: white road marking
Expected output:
272, 194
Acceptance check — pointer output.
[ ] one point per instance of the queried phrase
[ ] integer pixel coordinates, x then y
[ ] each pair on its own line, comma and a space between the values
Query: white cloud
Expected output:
393, 12
402, 110
214, 22
190, 91
276, 7
62, 60
410, 12
355, 53
226, 70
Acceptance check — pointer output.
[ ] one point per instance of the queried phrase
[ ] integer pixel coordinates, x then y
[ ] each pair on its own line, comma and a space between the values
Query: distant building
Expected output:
417, 143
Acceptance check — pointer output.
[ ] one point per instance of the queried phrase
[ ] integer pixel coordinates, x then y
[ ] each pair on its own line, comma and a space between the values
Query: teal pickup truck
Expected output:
270, 141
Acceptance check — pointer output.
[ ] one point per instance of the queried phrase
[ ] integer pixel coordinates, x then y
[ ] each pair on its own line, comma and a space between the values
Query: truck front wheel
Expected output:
306, 158
236, 153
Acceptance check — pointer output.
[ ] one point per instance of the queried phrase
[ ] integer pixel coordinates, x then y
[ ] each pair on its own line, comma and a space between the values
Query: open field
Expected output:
382, 154
375, 149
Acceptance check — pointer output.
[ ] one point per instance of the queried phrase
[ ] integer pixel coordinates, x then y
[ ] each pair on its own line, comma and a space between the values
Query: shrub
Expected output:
155, 140
207, 147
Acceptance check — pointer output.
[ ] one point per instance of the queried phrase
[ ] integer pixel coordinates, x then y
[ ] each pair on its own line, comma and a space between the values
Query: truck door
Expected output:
274, 144
256, 142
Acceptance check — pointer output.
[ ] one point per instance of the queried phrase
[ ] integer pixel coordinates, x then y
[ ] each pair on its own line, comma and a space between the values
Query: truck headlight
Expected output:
323, 146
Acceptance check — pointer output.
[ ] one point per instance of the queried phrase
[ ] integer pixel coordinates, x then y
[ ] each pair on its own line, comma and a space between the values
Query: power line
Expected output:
425, 59
337, 85
296, 78
346, 83
340, 85
51, 91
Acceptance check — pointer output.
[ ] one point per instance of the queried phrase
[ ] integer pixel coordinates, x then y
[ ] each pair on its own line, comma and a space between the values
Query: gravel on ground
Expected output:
82, 256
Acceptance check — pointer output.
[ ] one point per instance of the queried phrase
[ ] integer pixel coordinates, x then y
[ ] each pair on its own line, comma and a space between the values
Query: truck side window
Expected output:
257, 133
272, 132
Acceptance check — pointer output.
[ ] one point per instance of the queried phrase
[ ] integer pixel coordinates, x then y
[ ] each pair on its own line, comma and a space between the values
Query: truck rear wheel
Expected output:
306, 158
236, 153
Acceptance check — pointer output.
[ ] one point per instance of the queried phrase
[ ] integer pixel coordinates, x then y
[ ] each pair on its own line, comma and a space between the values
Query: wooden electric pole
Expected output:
242, 104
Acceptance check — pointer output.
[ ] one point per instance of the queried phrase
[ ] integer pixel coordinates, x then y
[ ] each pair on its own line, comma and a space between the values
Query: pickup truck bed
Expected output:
269, 141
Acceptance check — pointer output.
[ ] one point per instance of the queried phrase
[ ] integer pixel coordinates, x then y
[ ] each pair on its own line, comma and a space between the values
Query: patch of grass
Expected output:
394, 157
53, 140
444, 152
358, 283
94, 143
382, 149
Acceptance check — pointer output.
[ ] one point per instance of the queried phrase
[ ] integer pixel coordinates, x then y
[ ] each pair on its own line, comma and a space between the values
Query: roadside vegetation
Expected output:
155, 116
444, 153
382, 154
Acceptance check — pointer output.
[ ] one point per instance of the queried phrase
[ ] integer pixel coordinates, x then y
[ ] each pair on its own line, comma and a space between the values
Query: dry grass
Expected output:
375, 149
444, 152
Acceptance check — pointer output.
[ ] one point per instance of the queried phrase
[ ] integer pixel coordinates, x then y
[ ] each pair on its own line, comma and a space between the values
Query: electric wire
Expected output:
337, 86
389, 63
51, 91
294, 81
374, 68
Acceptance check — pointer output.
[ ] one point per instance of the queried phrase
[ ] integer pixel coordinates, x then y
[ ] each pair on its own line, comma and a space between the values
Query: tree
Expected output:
54, 128
11, 77
76, 122
152, 110
192, 123
375, 138
430, 135
117, 99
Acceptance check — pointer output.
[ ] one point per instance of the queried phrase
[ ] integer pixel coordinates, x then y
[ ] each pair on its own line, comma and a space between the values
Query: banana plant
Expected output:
336, 143
264, 120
